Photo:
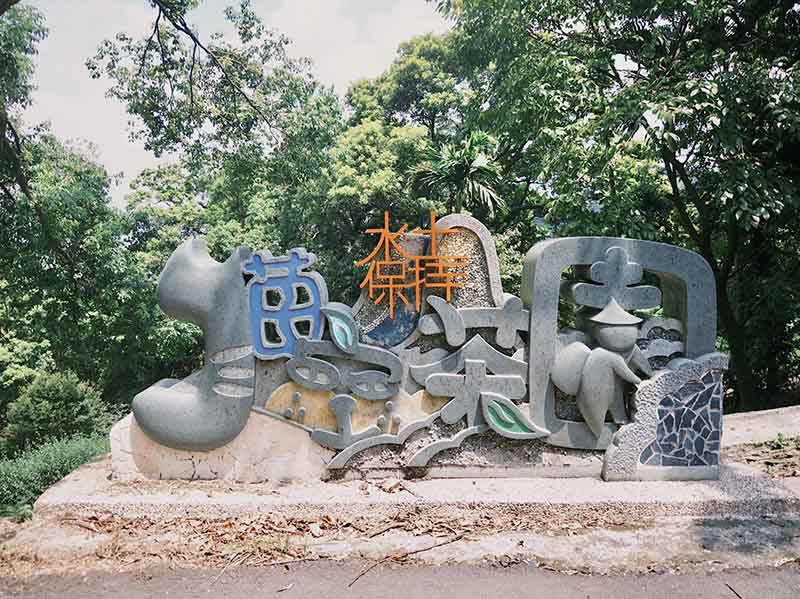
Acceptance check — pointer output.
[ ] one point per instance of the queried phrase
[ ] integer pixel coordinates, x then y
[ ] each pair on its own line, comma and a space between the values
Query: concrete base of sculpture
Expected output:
265, 450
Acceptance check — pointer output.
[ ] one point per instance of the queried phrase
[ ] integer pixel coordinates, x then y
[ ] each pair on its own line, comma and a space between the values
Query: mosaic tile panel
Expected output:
689, 425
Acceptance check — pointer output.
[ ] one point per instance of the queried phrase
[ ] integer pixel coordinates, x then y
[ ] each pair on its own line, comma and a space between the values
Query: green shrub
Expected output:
27, 476
20, 362
53, 406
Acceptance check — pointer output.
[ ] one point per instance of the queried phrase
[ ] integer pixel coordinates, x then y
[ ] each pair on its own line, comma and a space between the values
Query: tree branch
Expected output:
6, 4
680, 207
164, 59
733, 246
21, 180
191, 82
150, 42
180, 24
7, 193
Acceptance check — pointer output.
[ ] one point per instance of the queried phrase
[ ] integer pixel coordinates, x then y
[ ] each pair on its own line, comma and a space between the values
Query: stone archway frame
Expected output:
463, 221
688, 294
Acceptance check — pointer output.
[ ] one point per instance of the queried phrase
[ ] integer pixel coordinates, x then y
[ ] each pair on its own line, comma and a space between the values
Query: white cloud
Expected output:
346, 39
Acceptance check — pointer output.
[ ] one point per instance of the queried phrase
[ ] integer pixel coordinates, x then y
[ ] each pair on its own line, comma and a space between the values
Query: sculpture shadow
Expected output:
770, 518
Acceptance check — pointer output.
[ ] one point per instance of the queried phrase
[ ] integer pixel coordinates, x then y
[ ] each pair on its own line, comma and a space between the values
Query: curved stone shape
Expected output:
449, 321
343, 327
424, 455
694, 381
416, 357
659, 350
463, 221
369, 383
344, 456
466, 390
568, 366
475, 349
373, 320
208, 409
615, 278
286, 278
506, 419
601, 385
342, 406
402, 331
688, 294
508, 320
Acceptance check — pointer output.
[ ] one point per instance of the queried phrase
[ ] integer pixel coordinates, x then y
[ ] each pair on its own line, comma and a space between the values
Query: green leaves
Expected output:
465, 173
21, 30
677, 122
506, 419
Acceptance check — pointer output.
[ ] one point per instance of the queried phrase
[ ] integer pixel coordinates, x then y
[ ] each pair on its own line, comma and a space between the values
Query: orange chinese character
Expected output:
440, 272
389, 273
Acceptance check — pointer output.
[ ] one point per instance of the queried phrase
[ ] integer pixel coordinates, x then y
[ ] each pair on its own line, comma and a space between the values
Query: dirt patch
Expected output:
9, 528
73, 543
779, 458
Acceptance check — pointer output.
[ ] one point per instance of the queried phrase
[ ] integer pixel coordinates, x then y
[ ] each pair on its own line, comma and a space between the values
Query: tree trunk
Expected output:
737, 341
6, 4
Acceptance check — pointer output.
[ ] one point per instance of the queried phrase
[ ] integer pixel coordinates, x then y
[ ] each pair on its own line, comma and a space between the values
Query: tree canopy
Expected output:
675, 122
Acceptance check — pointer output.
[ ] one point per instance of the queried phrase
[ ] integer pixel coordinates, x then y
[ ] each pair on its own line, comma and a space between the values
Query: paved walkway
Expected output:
324, 580
757, 427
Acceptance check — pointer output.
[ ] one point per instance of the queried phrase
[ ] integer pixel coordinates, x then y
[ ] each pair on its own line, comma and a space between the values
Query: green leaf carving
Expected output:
506, 419
341, 333
344, 330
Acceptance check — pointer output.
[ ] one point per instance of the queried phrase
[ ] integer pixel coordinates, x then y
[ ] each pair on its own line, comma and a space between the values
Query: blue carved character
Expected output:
285, 301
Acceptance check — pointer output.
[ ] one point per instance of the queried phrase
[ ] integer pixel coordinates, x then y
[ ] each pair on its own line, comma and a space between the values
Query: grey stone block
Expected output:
343, 406
463, 221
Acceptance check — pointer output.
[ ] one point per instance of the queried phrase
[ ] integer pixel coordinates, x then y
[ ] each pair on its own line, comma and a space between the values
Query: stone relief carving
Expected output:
637, 362
677, 425
607, 271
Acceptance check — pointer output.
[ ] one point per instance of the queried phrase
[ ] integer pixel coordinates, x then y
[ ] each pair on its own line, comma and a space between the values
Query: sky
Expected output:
346, 39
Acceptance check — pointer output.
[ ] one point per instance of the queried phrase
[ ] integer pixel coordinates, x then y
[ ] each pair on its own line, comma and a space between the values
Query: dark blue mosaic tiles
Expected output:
689, 425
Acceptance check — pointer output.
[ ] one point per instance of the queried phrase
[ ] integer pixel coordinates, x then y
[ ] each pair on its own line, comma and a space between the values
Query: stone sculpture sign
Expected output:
609, 349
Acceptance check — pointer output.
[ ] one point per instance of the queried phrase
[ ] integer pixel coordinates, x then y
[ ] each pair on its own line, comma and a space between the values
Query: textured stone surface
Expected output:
373, 319
623, 457
507, 320
342, 373
661, 340
579, 524
265, 450
616, 278
689, 425
738, 492
758, 427
297, 294
482, 286
316, 413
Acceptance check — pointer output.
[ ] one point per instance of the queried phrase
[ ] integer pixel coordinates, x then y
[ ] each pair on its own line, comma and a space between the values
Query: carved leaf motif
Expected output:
341, 333
344, 330
506, 419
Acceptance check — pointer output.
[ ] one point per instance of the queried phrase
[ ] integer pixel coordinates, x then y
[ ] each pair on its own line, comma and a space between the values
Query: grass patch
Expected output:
25, 477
